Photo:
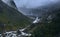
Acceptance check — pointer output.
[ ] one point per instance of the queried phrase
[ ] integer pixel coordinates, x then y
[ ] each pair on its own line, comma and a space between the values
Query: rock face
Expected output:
11, 17
9, 3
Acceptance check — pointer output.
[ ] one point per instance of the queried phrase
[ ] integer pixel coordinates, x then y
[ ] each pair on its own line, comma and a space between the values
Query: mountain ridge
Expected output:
11, 17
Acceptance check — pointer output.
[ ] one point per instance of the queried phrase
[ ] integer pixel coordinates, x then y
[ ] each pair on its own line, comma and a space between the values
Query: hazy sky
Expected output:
33, 3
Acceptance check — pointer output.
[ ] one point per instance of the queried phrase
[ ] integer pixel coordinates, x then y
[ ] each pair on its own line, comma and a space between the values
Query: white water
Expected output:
14, 33
26, 4
36, 20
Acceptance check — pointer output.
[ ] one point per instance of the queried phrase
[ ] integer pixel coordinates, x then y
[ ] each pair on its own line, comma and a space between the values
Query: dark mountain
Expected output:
13, 4
10, 3
11, 18
51, 29
48, 29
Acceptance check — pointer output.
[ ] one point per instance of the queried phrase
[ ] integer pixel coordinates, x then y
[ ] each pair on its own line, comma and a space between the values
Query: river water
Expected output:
28, 8
20, 32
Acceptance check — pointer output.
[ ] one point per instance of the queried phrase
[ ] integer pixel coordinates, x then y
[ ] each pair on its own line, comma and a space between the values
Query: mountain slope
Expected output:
51, 29
11, 17
9, 3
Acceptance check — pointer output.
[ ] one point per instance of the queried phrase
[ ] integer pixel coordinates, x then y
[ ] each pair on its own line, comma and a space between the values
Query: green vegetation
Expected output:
49, 29
12, 18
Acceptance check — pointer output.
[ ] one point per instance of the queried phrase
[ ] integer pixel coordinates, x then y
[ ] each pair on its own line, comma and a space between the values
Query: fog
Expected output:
26, 6
35, 7
33, 3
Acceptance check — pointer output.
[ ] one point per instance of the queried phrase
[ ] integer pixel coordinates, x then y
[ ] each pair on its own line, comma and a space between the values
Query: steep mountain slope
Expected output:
11, 17
51, 29
9, 3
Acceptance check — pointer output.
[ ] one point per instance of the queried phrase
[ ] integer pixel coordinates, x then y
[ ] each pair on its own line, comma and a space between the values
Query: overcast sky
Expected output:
33, 3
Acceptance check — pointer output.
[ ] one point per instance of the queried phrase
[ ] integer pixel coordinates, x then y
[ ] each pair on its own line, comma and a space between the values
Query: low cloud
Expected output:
33, 3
